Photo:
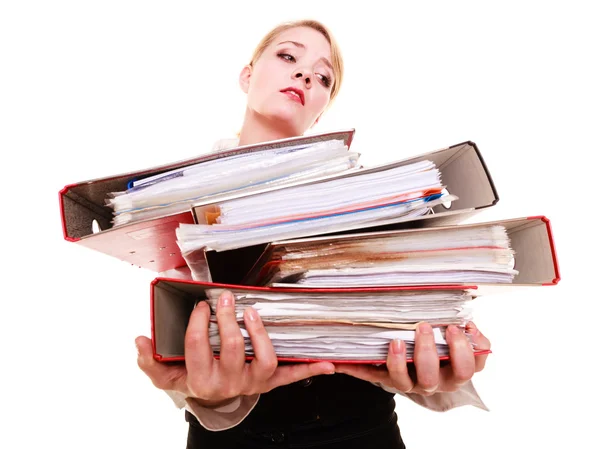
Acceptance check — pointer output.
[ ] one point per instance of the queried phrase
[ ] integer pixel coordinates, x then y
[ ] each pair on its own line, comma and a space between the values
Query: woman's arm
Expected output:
209, 388
224, 416
426, 382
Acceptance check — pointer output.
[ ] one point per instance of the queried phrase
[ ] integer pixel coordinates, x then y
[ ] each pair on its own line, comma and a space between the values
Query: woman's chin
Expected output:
288, 121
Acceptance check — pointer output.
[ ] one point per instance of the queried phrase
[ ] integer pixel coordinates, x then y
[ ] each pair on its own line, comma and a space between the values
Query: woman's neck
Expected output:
258, 128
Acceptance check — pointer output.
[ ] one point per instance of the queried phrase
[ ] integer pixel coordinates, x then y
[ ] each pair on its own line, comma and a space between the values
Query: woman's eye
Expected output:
325, 80
287, 57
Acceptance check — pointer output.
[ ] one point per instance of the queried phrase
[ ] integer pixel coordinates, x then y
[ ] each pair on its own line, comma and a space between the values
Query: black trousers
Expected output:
328, 412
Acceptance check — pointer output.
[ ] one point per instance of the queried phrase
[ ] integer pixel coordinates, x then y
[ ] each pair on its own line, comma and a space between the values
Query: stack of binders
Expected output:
337, 259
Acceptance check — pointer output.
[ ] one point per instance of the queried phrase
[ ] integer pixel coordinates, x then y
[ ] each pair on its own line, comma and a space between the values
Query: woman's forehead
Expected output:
309, 38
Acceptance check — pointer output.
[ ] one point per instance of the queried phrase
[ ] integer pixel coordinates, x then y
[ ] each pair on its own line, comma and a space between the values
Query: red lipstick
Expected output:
294, 94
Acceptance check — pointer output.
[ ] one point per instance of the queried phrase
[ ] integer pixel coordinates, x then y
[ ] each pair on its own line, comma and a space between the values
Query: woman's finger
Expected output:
481, 343
364, 372
264, 363
462, 361
199, 357
288, 374
397, 367
426, 360
163, 376
232, 355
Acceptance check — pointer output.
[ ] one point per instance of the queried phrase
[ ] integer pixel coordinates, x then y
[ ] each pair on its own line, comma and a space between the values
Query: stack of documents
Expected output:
174, 191
346, 325
341, 343
480, 254
378, 196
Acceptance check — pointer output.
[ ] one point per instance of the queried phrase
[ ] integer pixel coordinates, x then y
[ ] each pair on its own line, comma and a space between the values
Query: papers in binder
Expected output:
476, 255
395, 309
371, 197
174, 191
346, 325
343, 343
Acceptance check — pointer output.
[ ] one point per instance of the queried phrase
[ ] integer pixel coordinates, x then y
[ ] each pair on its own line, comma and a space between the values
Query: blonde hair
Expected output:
336, 56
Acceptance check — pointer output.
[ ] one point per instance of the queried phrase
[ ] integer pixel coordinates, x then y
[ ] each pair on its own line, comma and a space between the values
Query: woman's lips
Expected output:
294, 94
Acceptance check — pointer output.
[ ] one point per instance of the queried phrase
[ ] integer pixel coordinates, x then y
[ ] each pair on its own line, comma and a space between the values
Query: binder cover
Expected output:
172, 302
150, 243
462, 169
531, 239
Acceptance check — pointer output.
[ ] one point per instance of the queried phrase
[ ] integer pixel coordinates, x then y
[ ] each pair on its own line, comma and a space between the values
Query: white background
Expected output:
91, 89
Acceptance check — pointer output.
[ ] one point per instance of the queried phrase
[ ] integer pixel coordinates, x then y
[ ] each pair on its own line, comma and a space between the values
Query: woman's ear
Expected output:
245, 78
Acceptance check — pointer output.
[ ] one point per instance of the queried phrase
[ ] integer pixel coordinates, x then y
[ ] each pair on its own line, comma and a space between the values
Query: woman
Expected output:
294, 75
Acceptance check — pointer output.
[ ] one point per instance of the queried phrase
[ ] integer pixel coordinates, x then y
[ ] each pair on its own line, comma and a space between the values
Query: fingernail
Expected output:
137, 347
201, 304
397, 347
328, 368
453, 330
425, 328
252, 314
226, 299
471, 328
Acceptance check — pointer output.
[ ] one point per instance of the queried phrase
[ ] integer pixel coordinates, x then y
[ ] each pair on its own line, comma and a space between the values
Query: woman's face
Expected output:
290, 84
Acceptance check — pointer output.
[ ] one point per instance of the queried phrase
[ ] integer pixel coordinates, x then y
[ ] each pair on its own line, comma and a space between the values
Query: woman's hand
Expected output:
215, 382
425, 376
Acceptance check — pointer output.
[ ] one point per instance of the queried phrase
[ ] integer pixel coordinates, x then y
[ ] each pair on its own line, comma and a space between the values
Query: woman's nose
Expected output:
305, 75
